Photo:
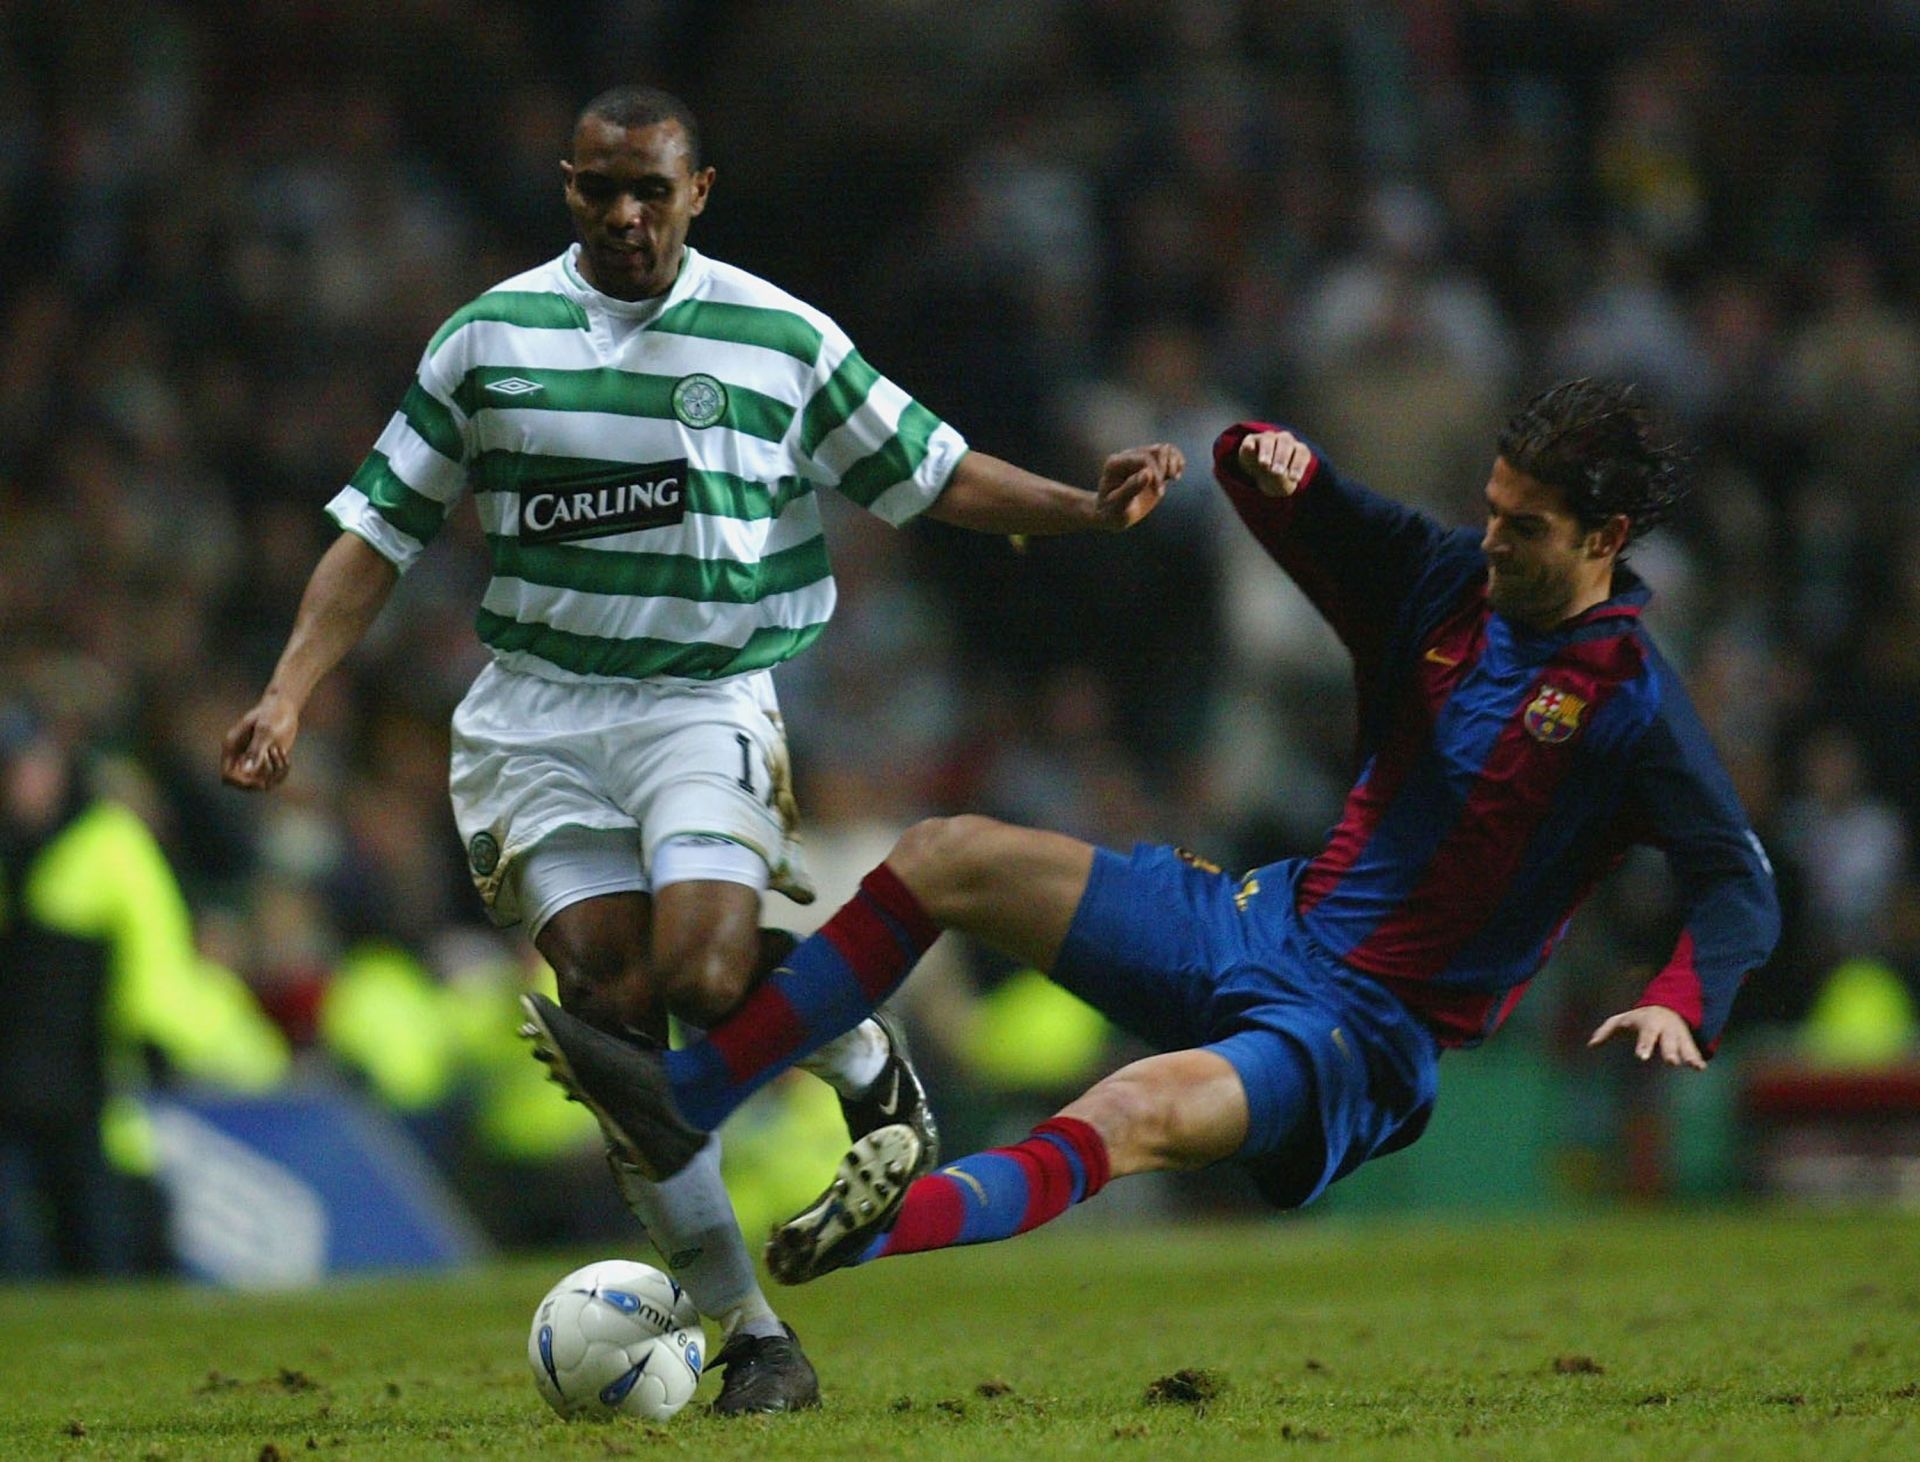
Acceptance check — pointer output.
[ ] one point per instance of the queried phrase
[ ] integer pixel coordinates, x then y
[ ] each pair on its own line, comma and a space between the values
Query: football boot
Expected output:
861, 1202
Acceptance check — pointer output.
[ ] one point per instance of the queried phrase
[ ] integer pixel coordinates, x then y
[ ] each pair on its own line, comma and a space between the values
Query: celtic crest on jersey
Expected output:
699, 400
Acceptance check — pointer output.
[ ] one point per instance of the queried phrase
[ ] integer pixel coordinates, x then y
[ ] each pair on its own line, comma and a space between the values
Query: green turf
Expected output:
1760, 1334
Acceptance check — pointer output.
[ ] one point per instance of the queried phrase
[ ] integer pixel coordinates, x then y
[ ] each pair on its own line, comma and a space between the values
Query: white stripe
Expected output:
730, 284
497, 343
682, 621
355, 514
419, 466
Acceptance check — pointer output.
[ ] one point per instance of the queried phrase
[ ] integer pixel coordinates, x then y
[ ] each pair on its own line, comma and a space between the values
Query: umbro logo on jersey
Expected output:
514, 386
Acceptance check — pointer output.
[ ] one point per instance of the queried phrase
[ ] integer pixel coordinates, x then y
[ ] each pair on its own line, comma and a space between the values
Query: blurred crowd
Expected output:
226, 233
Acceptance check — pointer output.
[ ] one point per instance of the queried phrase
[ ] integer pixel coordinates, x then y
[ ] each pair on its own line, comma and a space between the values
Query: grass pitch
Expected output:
1748, 1335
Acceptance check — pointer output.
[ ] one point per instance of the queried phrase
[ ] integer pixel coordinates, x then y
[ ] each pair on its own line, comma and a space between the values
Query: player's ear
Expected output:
566, 174
1610, 537
702, 184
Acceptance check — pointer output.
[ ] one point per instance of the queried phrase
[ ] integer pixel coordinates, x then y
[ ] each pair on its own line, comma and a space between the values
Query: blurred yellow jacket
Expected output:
104, 878
420, 1043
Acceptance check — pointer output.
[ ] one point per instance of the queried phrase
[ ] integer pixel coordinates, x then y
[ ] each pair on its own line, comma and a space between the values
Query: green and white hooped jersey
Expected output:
645, 473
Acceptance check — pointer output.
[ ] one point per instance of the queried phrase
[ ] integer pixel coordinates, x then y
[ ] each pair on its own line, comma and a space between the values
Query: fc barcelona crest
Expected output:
1554, 715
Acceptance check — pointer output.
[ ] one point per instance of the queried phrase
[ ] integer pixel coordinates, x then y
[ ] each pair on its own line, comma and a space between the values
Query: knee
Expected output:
598, 982
945, 860
1138, 1121
705, 981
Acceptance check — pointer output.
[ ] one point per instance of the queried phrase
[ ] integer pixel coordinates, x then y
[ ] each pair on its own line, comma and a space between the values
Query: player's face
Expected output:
633, 197
1542, 566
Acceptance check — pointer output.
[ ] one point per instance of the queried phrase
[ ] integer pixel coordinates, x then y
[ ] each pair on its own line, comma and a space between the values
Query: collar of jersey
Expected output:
1630, 596
693, 268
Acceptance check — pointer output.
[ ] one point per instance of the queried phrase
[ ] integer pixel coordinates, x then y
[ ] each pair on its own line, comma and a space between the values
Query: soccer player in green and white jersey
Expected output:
644, 430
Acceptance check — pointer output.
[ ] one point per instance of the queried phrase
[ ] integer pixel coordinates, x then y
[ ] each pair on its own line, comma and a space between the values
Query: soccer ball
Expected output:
616, 1337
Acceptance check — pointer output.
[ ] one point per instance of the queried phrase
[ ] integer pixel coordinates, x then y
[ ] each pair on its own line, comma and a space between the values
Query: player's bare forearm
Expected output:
1654, 1028
989, 495
347, 589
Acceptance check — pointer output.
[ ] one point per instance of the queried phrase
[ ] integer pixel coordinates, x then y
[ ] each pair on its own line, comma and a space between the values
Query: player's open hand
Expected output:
257, 753
1133, 482
1277, 461
1654, 1028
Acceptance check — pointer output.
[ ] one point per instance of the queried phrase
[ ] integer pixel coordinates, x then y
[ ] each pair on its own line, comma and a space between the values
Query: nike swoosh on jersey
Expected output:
1434, 657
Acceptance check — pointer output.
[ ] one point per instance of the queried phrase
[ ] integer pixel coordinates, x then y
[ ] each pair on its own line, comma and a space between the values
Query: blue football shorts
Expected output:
1336, 1070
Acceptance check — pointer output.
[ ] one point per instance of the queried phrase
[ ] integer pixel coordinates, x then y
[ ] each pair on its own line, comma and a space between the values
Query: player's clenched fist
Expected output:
258, 752
1277, 461
1133, 482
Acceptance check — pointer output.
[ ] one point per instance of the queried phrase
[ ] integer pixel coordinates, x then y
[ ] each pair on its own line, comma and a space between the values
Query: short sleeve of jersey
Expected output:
416, 472
865, 437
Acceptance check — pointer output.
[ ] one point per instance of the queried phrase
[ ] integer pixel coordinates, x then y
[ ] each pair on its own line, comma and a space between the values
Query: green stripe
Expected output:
844, 393
618, 393
433, 422
660, 575
636, 659
526, 308
412, 513
718, 494
897, 461
780, 330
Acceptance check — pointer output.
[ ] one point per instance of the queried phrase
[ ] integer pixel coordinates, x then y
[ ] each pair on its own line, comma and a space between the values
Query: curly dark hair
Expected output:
1595, 441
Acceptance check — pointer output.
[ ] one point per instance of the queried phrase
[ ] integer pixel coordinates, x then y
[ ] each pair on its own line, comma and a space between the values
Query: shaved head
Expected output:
628, 107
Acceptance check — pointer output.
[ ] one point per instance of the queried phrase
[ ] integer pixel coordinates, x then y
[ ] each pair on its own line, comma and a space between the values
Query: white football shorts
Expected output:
656, 760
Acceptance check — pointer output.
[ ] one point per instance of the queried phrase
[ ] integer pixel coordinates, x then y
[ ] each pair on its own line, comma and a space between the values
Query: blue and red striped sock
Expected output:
999, 1193
828, 985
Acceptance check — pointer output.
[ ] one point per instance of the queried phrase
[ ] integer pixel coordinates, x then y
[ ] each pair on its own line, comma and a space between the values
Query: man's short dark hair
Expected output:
642, 106
1595, 441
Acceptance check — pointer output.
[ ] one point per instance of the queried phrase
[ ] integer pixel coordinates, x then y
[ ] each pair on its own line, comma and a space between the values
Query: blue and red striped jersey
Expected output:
1503, 770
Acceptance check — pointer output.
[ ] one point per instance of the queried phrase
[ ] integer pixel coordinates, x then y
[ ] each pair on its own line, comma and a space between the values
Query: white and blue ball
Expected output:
617, 1338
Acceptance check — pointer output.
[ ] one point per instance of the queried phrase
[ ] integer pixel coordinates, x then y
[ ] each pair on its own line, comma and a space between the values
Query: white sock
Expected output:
689, 1219
850, 1064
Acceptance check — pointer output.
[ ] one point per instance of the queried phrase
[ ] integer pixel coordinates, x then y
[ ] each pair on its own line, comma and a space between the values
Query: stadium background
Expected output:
1066, 225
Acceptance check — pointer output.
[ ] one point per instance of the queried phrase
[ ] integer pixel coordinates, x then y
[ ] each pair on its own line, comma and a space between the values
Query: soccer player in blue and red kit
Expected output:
1518, 732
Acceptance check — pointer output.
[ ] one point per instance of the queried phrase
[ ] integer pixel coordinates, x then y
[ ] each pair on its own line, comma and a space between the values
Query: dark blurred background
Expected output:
1066, 226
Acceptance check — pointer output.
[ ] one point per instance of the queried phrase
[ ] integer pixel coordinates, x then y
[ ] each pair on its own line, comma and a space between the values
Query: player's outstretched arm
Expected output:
347, 588
1654, 1028
992, 496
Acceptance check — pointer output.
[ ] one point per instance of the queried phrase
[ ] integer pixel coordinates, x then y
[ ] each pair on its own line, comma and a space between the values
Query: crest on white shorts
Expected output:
483, 852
